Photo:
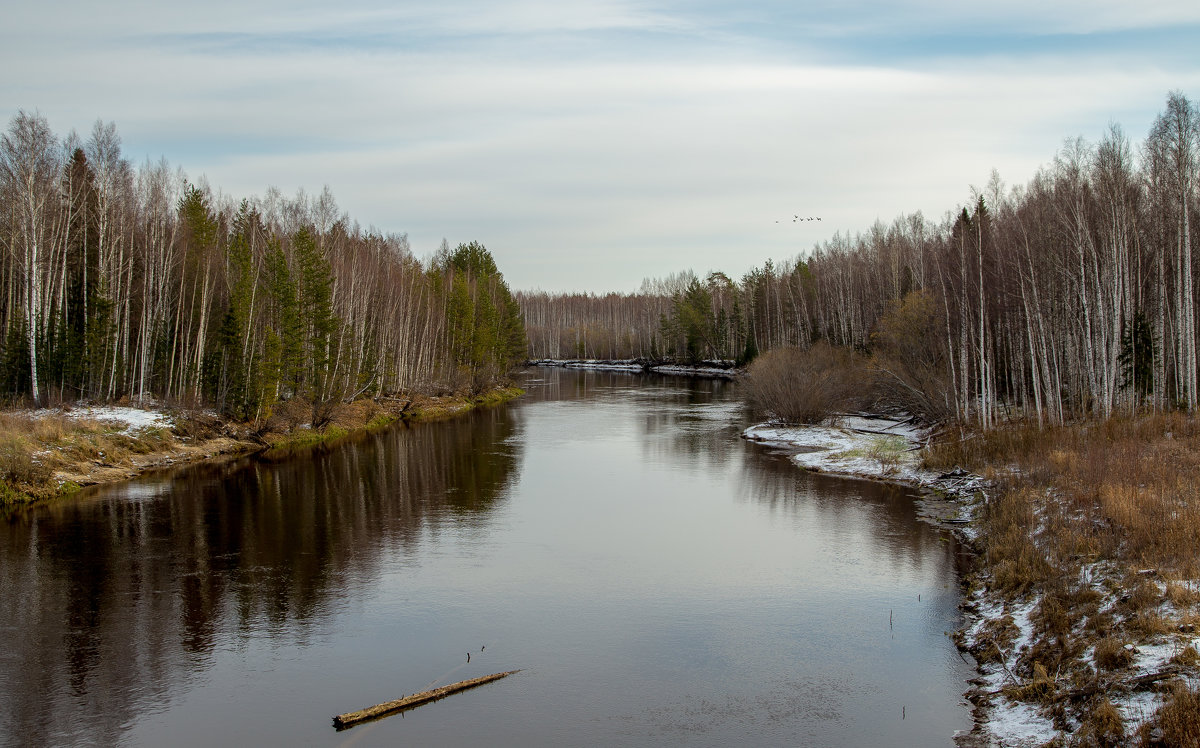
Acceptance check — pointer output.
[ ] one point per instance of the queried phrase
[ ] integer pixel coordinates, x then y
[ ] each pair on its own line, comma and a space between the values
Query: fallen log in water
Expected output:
350, 719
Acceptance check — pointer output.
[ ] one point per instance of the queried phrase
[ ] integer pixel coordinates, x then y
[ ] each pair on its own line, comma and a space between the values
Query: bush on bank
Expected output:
795, 385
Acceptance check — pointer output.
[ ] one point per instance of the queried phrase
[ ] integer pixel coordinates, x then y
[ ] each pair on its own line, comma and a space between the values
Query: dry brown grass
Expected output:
1148, 625
1102, 728
1182, 596
1111, 654
1012, 556
1126, 488
1119, 499
33, 448
994, 640
1038, 688
1186, 657
1177, 722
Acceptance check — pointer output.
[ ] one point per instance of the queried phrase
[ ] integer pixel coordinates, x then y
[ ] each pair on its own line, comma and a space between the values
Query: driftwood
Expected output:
350, 719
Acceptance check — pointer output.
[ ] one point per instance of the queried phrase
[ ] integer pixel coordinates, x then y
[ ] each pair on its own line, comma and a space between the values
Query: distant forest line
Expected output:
132, 282
1071, 295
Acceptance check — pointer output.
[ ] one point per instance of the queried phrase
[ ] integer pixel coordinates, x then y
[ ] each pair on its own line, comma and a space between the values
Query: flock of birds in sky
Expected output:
797, 219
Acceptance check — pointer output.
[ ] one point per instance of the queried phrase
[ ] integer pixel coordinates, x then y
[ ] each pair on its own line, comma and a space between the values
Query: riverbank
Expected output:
52, 452
884, 449
1082, 611
705, 369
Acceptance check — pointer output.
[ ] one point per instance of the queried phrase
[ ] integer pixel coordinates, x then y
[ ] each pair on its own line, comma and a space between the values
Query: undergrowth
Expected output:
1100, 523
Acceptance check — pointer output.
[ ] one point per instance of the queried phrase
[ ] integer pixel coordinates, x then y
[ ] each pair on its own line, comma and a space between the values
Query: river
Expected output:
657, 580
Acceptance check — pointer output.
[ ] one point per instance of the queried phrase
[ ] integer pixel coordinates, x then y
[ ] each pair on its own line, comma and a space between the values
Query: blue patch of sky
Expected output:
875, 45
781, 34
186, 149
1160, 45
593, 44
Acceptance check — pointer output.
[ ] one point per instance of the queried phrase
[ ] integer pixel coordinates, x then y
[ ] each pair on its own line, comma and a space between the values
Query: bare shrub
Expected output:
794, 385
290, 414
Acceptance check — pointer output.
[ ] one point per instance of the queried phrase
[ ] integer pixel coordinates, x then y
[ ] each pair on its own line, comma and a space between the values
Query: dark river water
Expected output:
657, 579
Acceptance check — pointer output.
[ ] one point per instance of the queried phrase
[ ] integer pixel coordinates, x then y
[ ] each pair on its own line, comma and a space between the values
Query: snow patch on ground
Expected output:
694, 371
879, 448
594, 365
1010, 723
133, 419
715, 369
1020, 726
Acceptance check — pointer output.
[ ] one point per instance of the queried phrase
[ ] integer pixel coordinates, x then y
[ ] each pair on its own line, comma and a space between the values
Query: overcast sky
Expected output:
592, 143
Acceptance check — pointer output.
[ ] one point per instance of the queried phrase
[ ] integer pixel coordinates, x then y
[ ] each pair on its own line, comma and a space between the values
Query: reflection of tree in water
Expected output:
106, 603
884, 512
694, 421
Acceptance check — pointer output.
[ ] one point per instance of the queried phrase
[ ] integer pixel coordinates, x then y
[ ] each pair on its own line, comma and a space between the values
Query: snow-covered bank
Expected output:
1132, 688
888, 449
682, 370
709, 369
1137, 634
879, 448
864, 447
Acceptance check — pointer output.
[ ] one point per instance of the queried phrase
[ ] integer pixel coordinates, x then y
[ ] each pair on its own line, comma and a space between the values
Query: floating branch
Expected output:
350, 719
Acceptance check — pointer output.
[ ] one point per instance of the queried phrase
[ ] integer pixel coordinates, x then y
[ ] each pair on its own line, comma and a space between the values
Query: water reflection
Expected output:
884, 512
658, 579
107, 600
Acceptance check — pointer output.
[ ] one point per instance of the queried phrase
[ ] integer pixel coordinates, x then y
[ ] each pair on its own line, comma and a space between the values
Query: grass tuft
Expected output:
1177, 721
1111, 654
1103, 727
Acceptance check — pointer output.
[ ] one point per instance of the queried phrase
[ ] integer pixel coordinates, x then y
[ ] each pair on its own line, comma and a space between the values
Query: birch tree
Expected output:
30, 167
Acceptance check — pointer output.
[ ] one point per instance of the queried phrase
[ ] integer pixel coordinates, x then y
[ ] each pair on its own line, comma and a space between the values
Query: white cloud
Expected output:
585, 170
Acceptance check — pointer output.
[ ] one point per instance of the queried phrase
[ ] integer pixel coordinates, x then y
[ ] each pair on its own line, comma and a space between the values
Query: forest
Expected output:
124, 282
1072, 295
